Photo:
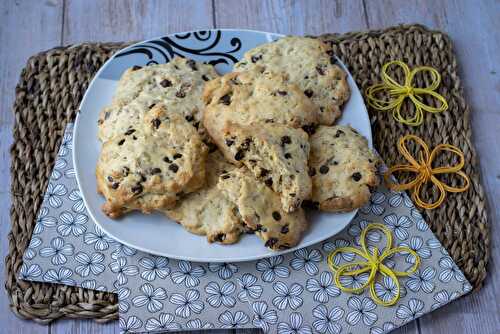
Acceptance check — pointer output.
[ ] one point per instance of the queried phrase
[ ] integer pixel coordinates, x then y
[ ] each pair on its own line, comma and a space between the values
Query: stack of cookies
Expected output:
241, 153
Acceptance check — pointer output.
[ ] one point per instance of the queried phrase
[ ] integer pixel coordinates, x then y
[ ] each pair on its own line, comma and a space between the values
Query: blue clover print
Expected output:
328, 321
58, 166
58, 251
263, 317
98, 238
411, 311
89, 263
92, 285
386, 328
230, 320
295, 326
44, 221
422, 280
123, 294
198, 324
450, 270
188, 274
399, 225
76, 197
223, 270
66, 144
307, 260
30, 252
187, 303
164, 322
271, 268
150, 297
54, 194
249, 288
69, 224
287, 296
220, 295
156, 266
443, 297
375, 205
30, 272
120, 267
122, 251
386, 289
63, 276
130, 325
416, 244
324, 288
361, 310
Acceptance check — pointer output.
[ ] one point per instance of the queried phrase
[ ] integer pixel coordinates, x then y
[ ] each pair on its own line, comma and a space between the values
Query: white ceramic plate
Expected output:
155, 233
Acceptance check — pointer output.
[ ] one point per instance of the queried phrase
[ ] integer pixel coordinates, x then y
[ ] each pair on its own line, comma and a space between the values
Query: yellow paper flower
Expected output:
398, 93
425, 172
374, 264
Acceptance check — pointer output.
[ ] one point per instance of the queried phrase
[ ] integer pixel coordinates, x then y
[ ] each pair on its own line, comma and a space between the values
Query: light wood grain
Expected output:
26, 27
31, 26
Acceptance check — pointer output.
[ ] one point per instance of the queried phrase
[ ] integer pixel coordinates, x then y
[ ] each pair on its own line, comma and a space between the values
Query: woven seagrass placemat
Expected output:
52, 85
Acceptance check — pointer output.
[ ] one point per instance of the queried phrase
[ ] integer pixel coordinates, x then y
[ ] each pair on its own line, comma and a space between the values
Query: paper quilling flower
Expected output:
373, 263
398, 93
425, 172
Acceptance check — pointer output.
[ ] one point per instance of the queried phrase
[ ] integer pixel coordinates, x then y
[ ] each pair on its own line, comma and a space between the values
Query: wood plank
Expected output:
472, 26
291, 17
119, 20
27, 27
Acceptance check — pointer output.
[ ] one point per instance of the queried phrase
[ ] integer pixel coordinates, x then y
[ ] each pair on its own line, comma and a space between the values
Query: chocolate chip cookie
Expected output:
308, 63
276, 154
177, 84
342, 167
150, 164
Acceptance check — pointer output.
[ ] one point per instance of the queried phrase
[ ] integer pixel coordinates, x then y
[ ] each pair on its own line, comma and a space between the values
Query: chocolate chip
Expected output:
264, 172
276, 215
259, 228
192, 64
370, 160
239, 155
177, 156
125, 170
226, 99
211, 147
143, 177
285, 229
271, 242
156, 123
356, 176
137, 189
324, 169
196, 125
167, 160
284, 246
309, 93
166, 83
129, 132
106, 115
285, 140
220, 237
189, 118
152, 105
246, 144
288, 155
292, 194
282, 93
320, 69
120, 143
205, 78
255, 59
155, 170
136, 67
174, 168
269, 182
333, 60
100, 121
110, 178
309, 129
115, 185
229, 142
225, 176
269, 120
180, 94
312, 171
339, 133
134, 137
308, 204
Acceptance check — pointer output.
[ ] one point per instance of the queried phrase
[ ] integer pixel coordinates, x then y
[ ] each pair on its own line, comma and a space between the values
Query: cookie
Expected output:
309, 63
150, 164
177, 84
276, 154
342, 167
252, 96
260, 209
210, 211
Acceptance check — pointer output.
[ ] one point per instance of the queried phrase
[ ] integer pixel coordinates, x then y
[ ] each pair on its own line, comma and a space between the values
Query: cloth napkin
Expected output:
291, 293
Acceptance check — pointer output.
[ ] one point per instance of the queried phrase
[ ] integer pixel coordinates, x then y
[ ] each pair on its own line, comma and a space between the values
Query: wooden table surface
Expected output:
27, 27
